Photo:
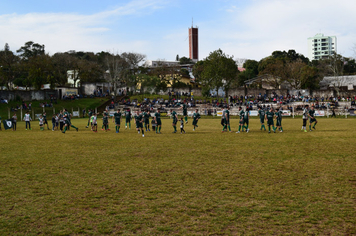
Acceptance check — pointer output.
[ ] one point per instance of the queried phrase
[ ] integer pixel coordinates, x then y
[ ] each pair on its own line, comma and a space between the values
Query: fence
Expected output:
77, 112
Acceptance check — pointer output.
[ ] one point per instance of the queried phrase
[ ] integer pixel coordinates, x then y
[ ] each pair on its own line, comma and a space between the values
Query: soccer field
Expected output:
198, 183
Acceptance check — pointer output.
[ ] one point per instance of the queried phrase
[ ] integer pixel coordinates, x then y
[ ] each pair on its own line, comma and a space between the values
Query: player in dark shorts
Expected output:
305, 117
241, 121
128, 118
312, 119
139, 123
105, 121
185, 111
196, 117
45, 122
67, 123
270, 122
117, 119
146, 116
174, 121
157, 119
278, 115
247, 119
90, 114
262, 114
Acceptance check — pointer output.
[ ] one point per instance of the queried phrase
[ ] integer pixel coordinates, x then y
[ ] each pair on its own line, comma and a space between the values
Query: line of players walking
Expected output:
268, 115
142, 123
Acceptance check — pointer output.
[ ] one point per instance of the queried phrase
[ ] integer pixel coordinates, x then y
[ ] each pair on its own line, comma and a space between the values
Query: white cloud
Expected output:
268, 25
71, 31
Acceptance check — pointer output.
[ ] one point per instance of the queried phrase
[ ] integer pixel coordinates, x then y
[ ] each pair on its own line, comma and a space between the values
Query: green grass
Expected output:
75, 104
200, 183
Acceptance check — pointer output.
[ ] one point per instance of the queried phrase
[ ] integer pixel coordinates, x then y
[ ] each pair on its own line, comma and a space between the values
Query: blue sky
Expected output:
159, 28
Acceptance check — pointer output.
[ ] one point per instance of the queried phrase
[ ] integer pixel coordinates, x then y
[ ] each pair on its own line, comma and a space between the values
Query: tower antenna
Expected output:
192, 22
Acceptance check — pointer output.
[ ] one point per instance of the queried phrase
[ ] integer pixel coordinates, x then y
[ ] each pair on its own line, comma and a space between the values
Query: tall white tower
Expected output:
320, 47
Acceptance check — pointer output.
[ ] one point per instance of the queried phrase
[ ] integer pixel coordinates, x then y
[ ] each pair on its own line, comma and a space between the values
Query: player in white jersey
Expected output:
27, 118
305, 117
95, 123
41, 122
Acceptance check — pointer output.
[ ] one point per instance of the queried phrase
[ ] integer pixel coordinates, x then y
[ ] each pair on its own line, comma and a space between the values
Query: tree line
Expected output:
219, 71
31, 66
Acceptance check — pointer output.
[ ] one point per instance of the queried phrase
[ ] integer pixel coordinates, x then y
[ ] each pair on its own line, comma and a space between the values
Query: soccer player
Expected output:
139, 123
61, 120
157, 119
196, 117
223, 121
45, 122
128, 118
41, 120
241, 121
278, 115
270, 122
305, 118
94, 122
246, 119
185, 111
262, 114
90, 114
27, 119
105, 121
106, 113
175, 120
146, 116
312, 118
67, 123
53, 121
14, 122
117, 118
182, 125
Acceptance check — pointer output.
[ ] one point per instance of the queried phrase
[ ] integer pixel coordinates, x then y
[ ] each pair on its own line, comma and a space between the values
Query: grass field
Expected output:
200, 183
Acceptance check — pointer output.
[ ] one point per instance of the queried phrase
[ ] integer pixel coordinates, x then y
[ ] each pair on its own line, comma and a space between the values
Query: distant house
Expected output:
73, 79
347, 82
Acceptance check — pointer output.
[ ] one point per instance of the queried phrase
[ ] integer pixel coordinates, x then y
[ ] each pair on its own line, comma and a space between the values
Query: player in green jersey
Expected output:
45, 122
241, 121
128, 118
247, 119
185, 111
196, 117
278, 115
312, 119
146, 116
117, 119
269, 117
174, 121
105, 121
90, 114
262, 114
139, 123
67, 123
106, 113
226, 115
157, 119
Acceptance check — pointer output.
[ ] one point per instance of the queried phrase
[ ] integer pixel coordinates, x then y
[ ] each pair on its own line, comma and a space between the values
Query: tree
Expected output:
117, 70
185, 60
274, 72
293, 71
219, 71
30, 50
8, 66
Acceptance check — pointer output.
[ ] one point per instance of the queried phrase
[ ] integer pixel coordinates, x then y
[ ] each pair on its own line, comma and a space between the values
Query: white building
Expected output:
321, 46
150, 63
